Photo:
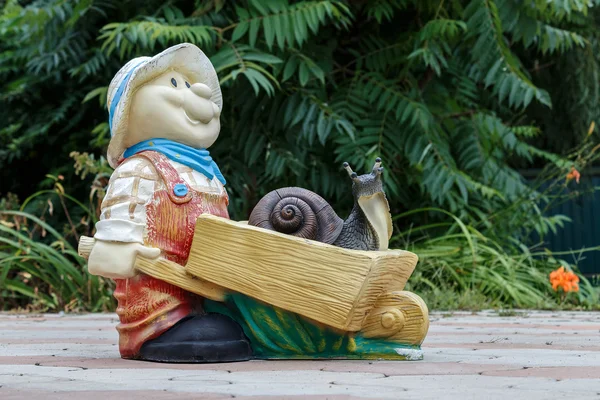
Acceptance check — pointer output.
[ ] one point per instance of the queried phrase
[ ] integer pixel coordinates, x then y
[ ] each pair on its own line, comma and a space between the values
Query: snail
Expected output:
300, 212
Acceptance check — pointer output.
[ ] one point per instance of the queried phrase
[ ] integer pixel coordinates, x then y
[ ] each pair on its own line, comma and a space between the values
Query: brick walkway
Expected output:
532, 355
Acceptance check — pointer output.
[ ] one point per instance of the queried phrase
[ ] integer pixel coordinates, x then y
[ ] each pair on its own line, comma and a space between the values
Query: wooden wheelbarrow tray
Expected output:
349, 290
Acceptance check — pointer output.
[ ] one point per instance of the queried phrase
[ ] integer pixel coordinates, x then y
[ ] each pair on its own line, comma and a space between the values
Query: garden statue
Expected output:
295, 281
163, 113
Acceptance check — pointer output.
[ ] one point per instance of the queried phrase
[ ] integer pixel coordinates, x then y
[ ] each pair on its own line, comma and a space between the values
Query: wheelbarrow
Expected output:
351, 292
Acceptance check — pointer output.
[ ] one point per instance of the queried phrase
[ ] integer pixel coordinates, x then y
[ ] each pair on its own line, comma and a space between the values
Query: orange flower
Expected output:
566, 280
574, 174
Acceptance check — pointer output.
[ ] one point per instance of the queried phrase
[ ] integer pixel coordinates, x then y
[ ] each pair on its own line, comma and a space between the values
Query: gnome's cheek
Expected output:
156, 102
173, 97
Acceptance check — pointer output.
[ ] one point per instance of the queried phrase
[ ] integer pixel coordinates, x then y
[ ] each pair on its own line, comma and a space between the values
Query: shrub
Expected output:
452, 95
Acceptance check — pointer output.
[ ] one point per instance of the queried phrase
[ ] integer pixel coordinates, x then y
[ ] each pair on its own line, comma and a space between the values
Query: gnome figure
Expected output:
163, 114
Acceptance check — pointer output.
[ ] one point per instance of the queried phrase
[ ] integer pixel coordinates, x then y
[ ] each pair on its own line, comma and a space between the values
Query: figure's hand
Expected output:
116, 260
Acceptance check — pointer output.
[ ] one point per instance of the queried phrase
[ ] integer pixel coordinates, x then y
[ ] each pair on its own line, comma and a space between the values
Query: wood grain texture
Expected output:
175, 274
398, 316
332, 285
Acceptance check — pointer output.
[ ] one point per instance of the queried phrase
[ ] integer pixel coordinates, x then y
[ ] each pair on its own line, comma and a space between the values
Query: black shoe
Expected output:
206, 338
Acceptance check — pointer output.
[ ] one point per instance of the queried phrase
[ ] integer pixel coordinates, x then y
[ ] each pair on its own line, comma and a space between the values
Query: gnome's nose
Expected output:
197, 104
200, 89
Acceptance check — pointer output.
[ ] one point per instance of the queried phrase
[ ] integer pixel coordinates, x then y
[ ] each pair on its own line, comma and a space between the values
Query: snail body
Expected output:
302, 213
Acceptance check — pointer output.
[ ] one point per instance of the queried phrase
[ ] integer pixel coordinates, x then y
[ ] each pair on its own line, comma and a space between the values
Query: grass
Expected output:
461, 268
39, 267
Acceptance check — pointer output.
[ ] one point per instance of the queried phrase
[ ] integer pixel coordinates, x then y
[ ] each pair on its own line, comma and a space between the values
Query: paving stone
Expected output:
531, 354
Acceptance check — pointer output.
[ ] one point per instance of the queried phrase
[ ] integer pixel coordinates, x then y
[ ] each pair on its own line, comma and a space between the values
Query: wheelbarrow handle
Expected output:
167, 271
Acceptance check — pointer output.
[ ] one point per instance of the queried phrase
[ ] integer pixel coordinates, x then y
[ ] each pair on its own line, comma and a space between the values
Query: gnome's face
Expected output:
173, 107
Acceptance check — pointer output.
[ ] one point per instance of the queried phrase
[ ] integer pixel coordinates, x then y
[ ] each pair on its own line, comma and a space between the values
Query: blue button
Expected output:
180, 190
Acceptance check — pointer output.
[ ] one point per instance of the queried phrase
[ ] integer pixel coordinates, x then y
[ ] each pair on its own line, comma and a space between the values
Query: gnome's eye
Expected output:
187, 84
173, 82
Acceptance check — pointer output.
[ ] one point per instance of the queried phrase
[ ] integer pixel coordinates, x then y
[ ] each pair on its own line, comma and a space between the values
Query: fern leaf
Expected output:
127, 37
289, 24
495, 64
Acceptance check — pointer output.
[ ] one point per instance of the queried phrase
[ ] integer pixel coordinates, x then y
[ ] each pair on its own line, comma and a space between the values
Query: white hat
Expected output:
185, 58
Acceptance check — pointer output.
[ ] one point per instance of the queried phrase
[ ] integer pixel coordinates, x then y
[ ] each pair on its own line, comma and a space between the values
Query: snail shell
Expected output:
297, 212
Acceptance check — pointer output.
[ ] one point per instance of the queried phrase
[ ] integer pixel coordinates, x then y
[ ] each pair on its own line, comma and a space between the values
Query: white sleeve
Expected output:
131, 188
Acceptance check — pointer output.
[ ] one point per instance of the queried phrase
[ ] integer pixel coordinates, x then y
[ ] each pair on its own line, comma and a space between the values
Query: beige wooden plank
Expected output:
177, 275
335, 286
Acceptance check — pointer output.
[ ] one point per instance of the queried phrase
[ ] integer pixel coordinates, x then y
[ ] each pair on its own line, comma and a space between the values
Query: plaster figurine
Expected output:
295, 281
163, 114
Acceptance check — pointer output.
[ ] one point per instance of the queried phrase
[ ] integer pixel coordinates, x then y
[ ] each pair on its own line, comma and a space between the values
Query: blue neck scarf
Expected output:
197, 159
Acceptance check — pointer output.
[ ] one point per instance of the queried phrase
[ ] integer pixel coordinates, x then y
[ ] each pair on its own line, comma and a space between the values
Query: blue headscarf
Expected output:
197, 159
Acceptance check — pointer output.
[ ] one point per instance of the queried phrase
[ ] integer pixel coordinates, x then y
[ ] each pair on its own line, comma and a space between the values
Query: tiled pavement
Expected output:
531, 355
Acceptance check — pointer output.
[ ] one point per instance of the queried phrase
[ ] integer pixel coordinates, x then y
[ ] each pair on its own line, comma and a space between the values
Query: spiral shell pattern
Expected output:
298, 212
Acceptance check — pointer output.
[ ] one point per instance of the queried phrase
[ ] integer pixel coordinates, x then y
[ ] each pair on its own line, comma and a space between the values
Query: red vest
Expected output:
147, 306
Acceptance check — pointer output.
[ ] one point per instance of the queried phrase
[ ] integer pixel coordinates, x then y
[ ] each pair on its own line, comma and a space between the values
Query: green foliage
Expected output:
45, 274
462, 268
452, 95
